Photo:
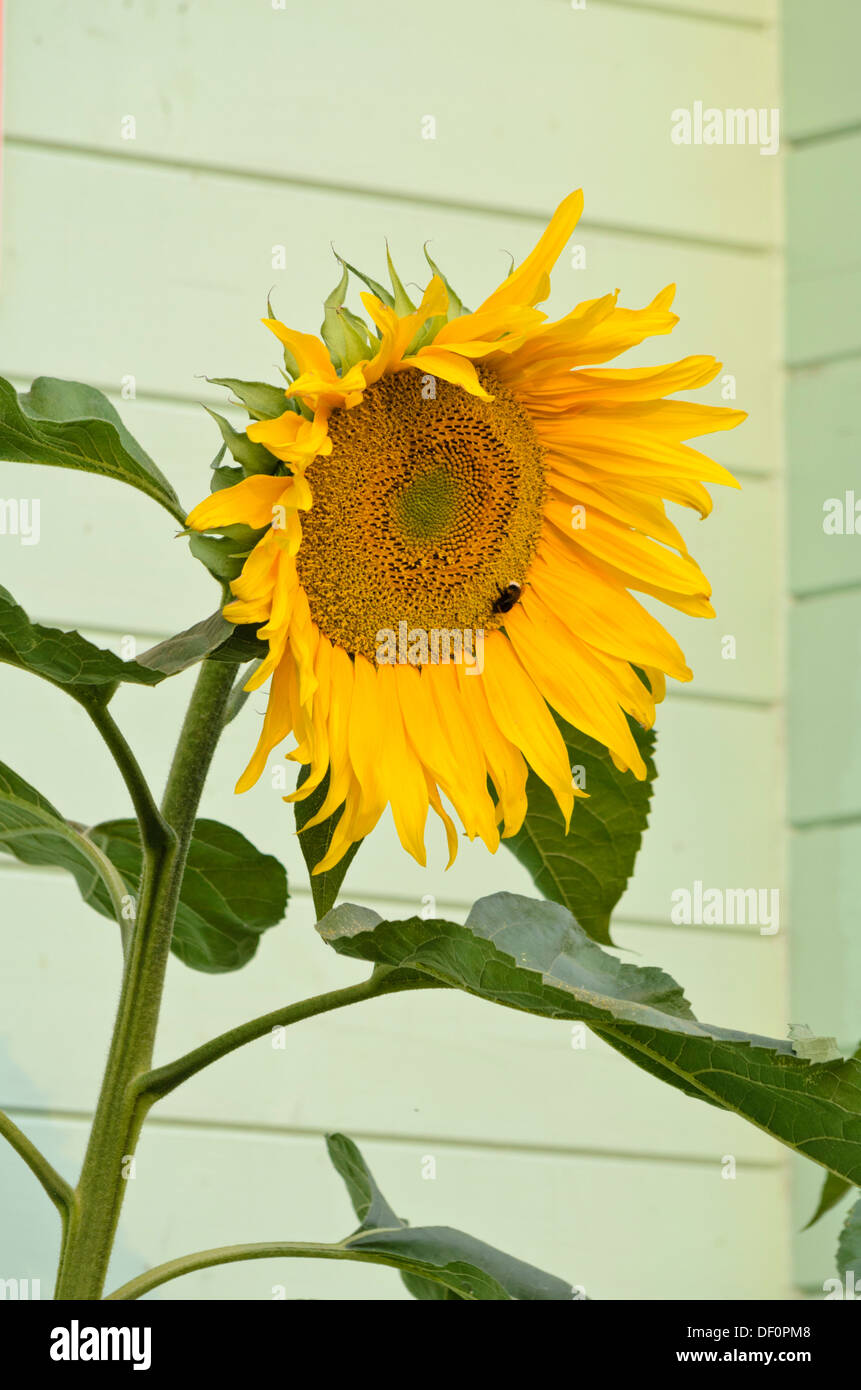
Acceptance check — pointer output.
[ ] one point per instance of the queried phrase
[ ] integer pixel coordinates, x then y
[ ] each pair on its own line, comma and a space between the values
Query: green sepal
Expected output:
225, 477
332, 327
262, 401
253, 457
224, 554
402, 302
357, 341
456, 306
373, 285
290, 363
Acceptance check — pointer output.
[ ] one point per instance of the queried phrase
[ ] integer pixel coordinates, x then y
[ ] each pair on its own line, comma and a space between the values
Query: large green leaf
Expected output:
66, 424
65, 658
70, 661
36, 833
189, 647
533, 956
434, 1261
230, 892
834, 1189
242, 644
587, 870
314, 844
849, 1244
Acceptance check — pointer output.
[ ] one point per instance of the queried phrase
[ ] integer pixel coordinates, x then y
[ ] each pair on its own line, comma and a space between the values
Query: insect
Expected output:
507, 597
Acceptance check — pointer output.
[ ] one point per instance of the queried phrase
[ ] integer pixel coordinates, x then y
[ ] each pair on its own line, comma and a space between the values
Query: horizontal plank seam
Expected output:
847, 818
831, 359
822, 137
429, 200
697, 15
802, 596
230, 1128
11, 866
799, 368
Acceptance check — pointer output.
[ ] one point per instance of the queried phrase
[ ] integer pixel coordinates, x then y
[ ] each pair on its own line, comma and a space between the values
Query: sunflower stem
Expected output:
166, 835
156, 1084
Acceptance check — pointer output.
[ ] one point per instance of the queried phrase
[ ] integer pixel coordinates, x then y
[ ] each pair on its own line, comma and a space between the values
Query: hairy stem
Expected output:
151, 822
157, 1084
166, 836
266, 1250
57, 1188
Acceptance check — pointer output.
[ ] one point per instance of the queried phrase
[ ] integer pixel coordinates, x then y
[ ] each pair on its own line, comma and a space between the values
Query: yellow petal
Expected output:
530, 283
522, 715
249, 502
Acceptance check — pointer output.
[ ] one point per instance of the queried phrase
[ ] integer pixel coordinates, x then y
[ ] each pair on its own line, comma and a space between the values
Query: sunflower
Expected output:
474, 475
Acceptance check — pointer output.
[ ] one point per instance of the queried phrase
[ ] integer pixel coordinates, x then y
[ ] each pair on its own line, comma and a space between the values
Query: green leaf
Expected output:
314, 844
806, 1044
371, 1208
243, 644
533, 956
433, 1257
36, 833
65, 659
834, 1189
849, 1244
253, 457
66, 424
230, 892
262, 401
187, 648
68, 660
587, 870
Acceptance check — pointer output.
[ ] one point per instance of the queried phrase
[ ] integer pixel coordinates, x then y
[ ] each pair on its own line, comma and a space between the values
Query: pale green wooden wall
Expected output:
152, 258
823, 112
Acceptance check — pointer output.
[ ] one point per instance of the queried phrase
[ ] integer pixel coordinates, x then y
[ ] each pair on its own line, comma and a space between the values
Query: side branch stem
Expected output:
57, 1188
156, 1084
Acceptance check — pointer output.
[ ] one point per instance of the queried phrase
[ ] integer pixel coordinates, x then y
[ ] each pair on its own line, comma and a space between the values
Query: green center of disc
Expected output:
425, 509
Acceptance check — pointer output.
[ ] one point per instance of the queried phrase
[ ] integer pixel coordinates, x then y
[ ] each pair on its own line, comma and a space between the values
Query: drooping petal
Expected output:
249, 503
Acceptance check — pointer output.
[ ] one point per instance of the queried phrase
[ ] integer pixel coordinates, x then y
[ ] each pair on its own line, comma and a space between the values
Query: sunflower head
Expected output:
444, 516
